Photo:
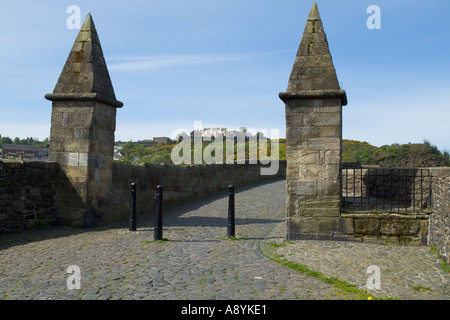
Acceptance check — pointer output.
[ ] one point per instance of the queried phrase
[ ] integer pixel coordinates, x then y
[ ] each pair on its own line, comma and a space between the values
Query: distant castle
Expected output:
211, 134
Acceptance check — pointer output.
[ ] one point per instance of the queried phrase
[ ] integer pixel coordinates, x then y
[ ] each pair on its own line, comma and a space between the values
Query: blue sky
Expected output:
223, 62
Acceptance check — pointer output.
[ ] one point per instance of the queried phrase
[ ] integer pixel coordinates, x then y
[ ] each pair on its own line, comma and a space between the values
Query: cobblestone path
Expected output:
199, 262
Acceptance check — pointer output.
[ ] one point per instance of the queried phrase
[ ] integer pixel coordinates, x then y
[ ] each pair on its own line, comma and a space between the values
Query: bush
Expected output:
161, 158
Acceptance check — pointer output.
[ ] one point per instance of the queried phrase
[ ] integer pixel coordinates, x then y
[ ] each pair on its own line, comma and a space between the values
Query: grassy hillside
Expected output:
395, 155
137, 153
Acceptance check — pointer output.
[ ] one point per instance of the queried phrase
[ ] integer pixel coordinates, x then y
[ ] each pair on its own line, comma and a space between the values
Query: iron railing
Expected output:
386, 189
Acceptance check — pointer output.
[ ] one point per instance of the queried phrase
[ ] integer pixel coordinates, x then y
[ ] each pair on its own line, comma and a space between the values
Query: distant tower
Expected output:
82, 131
313, 103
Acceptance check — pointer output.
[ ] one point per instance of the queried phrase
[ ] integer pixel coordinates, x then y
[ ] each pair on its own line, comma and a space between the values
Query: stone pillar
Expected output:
82, 131
313, 102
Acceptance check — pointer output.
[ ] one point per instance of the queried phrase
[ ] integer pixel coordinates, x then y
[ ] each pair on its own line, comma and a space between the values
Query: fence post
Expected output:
231, 222
158, 221
133, 208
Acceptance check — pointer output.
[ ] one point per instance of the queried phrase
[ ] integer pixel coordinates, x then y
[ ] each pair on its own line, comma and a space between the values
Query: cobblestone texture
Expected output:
199, 262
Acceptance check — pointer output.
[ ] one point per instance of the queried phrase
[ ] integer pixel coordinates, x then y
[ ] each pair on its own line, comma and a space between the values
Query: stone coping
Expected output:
84, 97
384, 215
315, 94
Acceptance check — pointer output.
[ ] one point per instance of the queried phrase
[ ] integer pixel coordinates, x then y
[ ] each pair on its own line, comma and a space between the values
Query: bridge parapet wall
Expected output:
34, 192
27, 194
181, 183
439, 229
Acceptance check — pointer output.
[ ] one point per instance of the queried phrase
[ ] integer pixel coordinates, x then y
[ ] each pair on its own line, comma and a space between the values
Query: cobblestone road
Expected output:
199, 262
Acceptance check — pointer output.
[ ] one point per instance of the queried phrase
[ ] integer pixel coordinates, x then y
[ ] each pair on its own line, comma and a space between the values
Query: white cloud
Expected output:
175, 60
166, 61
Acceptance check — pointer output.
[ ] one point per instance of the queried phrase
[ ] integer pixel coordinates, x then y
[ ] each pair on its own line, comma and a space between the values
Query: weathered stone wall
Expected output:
32, 191
386, 227
428, 225
439, 229
384, 205
181, 183
27, 194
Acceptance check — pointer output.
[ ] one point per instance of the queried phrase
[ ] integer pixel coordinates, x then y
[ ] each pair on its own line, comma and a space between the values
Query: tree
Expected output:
447, 157
4, 140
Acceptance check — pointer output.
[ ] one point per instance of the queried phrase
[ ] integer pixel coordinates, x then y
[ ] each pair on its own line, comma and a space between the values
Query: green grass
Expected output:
237, 238
444, 265
342, 287
421, 288
144, 242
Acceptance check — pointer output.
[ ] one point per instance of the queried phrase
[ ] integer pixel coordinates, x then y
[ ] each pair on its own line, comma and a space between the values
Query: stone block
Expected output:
409, 240
328, 188
292, 172
75, 173
303, 187
299, 104
332, 157
79, 117
294, 143
330, 132
346, 226
324, 144
367, 226
309, 157
310, 171
332, 105
319, 212
61, 133
77, 145
105, 135
400, 227
329, 173
327, 225
18, 205
322, 119
59, 119
93, 160
81, 133
301, 226
294, 119
423, 228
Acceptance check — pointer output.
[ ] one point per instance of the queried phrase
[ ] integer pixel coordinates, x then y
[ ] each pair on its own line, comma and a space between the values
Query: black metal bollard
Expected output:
158, 221
133, 207
231, 223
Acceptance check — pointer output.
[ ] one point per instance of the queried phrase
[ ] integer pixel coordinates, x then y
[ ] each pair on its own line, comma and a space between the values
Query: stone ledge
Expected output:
385, 215
439, 171
315, 94
84, 97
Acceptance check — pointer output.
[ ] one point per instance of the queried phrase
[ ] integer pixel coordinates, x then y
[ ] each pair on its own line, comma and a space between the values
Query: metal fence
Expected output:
386, 189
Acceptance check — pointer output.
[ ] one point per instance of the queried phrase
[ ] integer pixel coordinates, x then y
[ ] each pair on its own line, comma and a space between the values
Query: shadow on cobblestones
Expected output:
172, 215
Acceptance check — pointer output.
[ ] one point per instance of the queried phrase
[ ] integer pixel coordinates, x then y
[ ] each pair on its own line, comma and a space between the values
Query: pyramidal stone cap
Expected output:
313, 75
314, 13
85, 75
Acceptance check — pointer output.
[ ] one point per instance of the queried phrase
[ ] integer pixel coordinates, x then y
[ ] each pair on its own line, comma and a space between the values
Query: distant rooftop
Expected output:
18, 147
